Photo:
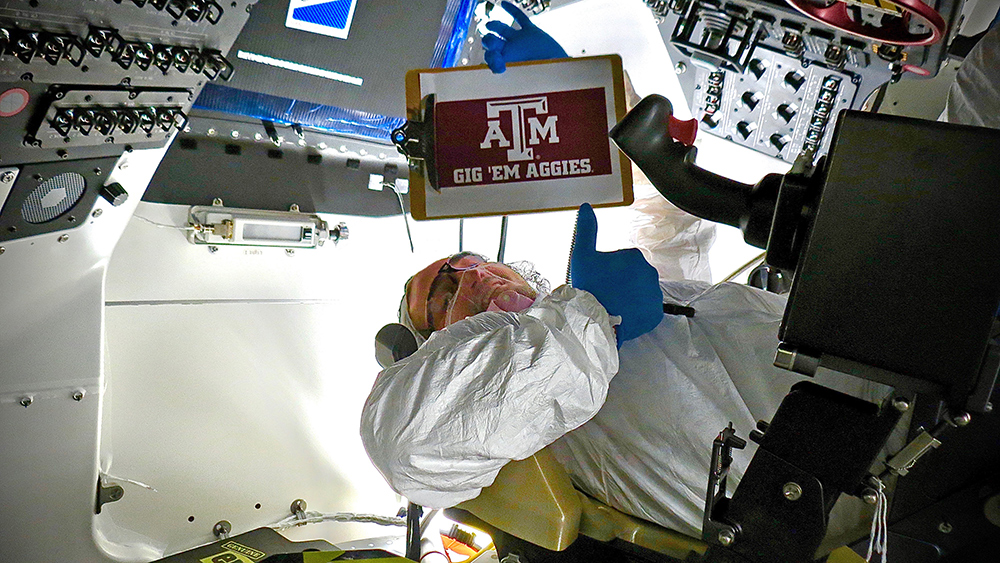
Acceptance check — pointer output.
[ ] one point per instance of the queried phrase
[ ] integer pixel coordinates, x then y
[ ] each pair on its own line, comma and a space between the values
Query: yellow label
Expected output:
242, 549
227, 557
883, 6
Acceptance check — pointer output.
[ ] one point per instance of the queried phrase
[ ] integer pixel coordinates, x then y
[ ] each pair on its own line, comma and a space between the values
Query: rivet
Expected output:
792, 491
726, 537
97, 213
26, 401
78, 395
63, 238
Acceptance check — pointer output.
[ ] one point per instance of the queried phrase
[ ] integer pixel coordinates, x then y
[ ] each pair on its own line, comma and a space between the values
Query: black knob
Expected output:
745, 128
786, 112
114, 193
794, 80
779, 141
751, 99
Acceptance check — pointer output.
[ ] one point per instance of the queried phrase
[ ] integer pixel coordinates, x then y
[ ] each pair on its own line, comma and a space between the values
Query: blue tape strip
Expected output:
451, 39
454, 31
288, 111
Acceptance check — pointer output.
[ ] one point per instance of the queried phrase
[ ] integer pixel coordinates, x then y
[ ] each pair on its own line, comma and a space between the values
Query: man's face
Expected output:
453, 288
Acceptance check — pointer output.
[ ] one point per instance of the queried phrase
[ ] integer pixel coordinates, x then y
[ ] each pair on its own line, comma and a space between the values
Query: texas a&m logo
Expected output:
525, 138
526, 130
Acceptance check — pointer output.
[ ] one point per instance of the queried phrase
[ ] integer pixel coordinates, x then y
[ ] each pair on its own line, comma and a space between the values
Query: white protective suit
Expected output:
495, 387
974, 97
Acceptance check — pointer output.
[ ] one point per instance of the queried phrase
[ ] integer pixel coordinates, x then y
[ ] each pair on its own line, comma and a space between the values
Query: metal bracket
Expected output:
714, 529
415, 141
106, 494
793, 359
901, 463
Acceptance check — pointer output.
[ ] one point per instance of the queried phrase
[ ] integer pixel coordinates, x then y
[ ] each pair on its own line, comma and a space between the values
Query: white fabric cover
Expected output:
647, 451
498, 386
974, 97
676, 243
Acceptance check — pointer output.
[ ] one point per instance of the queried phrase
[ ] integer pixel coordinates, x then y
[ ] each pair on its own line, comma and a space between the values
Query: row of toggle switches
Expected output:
107, 121
55, 47
194, 10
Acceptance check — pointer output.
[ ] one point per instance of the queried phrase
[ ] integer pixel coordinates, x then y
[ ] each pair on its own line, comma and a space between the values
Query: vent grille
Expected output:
53, 197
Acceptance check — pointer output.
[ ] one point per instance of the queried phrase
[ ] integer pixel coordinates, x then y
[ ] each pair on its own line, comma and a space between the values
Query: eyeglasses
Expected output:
445, 284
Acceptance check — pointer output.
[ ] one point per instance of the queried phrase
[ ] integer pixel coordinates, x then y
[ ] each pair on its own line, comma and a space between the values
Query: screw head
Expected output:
213, 249
79, 394
962, 419
792, 491
681, 67
289, 252
217, 201
63, 238
945, 528
26, 401
2, 250
901, 404
870, 496
727, 536
988, 408
97, 213
7, 177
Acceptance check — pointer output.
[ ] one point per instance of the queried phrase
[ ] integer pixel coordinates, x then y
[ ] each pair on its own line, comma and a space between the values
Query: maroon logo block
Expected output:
530, 138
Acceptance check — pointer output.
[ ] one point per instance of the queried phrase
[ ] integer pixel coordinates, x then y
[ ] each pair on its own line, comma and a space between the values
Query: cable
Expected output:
163, 225
503, 239
879, 97
402, 208
312, 517
745, 267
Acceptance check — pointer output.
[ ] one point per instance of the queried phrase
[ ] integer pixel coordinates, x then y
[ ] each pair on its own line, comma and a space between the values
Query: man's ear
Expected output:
393, 343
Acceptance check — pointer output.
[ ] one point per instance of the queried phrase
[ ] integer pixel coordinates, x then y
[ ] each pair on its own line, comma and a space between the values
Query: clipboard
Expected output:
532, 139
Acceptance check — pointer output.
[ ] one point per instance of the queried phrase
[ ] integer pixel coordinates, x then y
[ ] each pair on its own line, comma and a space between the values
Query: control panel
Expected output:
83, 81
771, 78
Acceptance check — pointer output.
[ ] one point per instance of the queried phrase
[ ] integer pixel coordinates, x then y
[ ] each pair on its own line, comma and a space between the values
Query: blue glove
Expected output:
622, 281
511, 45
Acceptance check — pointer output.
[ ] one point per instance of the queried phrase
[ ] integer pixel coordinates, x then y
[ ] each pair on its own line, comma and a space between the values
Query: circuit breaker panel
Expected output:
771, 78
85, 80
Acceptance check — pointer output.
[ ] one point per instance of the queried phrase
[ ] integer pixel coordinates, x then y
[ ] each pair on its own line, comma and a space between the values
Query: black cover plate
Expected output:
901, 269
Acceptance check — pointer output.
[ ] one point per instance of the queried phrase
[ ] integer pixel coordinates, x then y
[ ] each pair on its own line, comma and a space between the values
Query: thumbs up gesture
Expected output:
622, 281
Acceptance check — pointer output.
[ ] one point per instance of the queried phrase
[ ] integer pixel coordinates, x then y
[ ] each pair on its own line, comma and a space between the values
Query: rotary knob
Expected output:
114, 193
